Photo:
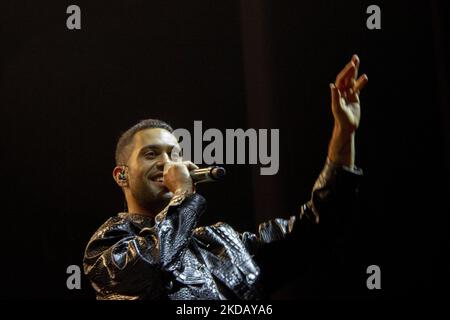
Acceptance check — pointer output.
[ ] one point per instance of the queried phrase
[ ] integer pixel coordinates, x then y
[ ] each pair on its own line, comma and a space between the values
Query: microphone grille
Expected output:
218, 173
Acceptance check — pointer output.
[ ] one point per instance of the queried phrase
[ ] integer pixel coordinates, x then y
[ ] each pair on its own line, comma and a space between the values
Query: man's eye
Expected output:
150, 154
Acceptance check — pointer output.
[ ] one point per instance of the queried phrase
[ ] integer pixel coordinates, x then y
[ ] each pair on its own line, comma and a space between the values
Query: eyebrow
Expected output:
158, 147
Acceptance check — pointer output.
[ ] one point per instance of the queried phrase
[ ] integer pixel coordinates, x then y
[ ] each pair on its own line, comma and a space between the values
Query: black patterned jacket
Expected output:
169, 257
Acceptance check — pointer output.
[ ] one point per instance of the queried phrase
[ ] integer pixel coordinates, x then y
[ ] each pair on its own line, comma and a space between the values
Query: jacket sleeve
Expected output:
124, 262
333, 197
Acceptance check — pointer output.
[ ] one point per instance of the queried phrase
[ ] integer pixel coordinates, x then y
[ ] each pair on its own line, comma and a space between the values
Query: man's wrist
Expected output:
178, 197
341, 150
185, 191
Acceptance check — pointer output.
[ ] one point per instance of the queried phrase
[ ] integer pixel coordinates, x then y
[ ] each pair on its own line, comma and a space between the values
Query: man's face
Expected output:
151, 149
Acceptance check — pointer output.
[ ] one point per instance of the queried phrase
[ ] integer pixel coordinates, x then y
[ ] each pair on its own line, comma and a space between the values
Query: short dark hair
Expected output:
125, 139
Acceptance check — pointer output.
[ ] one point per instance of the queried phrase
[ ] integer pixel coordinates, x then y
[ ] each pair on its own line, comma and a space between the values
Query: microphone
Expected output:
208, 174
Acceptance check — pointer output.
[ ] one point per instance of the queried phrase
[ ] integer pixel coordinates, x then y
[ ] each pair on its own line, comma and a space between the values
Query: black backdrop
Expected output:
66, 96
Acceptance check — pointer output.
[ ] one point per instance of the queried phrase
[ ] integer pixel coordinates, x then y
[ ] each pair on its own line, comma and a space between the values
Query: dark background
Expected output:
67, 95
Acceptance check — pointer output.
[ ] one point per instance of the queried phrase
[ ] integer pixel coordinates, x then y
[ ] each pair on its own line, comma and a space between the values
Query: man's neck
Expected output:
135, 208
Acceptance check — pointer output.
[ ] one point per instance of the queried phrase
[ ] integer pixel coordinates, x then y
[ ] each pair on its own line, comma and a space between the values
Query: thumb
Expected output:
335, 96
167, 166
190, 165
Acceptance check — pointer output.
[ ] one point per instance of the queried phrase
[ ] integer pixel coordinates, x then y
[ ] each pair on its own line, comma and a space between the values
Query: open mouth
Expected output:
158, 178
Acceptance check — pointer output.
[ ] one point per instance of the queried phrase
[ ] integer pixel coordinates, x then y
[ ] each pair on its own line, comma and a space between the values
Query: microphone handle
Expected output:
208, 174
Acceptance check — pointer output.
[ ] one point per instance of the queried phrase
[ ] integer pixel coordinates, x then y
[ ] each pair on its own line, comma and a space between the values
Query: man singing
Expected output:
157, 251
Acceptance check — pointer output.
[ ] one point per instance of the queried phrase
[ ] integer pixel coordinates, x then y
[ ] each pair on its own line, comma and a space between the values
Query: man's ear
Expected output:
120, 176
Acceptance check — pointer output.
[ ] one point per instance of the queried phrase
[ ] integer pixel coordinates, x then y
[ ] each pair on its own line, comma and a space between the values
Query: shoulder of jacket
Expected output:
112, 225
214, 227
224, 229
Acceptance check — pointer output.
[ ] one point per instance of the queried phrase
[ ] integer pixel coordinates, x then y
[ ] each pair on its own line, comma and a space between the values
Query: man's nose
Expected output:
162, 160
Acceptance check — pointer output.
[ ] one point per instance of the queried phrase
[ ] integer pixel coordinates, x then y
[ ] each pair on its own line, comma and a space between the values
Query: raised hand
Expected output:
345, 96
345, 106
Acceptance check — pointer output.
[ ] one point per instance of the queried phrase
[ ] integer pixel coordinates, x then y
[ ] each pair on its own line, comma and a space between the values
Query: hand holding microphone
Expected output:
181, 176
177, 177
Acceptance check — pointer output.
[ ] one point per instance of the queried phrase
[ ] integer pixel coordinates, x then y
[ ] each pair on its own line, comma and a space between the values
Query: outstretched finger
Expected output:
356, 62
361, 83
343, 78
